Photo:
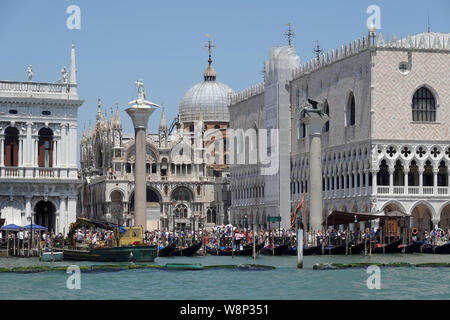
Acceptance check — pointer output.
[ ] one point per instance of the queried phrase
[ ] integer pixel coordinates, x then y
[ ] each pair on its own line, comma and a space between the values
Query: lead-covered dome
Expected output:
208, 98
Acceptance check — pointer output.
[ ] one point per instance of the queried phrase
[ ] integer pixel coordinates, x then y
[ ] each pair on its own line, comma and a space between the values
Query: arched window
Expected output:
351, 112
442, 177
423, 106
413, 175
383, 174
398, 176
45, 148
326, 110
11, 151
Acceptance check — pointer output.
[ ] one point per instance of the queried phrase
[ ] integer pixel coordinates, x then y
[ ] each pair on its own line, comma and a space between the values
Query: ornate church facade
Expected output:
386, 145
184, 189
38, 139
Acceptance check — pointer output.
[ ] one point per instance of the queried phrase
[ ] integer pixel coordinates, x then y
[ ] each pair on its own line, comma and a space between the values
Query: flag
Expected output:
299, 205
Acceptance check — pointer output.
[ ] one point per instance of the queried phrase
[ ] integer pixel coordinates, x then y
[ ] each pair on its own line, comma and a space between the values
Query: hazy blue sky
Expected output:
162, 42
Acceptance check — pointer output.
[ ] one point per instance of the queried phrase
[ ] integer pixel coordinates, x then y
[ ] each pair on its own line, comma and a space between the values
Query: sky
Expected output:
163, 42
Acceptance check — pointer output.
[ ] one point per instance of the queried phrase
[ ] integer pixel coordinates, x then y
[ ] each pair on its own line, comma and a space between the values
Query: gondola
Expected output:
388, 248
186, 252
306, 251
277, 251
444, 249
427, 248
229, 252
167, 250
332, 250
357, 248
409, 248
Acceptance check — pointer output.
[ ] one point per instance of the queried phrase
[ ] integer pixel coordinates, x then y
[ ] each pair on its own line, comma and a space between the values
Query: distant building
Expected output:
38, 156
181, 184
386, 146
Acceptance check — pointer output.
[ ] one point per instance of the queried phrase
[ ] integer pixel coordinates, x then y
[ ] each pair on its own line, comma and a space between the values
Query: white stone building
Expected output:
181, 183
387, 143
38, 151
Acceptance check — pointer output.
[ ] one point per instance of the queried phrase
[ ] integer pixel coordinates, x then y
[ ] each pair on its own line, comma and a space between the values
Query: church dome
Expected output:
208, 98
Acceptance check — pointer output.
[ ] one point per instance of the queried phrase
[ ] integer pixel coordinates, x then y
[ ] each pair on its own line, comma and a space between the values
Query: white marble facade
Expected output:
387, 143
38, 151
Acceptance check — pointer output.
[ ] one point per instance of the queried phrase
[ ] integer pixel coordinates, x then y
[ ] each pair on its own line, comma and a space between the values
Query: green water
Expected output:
285, 282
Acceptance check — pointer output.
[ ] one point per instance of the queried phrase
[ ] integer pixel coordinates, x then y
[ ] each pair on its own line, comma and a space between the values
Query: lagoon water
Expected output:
284, 282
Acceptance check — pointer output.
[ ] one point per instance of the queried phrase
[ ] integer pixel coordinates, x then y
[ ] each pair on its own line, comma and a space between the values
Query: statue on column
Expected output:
141, 91
312, 106
30, 73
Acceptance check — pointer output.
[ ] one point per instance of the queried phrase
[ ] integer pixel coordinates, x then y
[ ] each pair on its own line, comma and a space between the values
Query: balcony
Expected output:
37, 173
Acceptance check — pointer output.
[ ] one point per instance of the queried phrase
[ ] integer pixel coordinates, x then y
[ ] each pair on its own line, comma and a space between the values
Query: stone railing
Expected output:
246, 94
430, 41
34, 173
43, 87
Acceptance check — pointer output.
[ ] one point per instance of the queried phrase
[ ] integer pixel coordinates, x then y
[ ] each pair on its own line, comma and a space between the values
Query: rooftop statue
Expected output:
30, 73
312, 106
64, 74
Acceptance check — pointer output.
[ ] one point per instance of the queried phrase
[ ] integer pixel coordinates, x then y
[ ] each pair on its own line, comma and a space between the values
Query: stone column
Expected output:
28, 208
435, 182
2, 150
374, 181
391, 180
62, 214
139, 113
20, 151
406, 172
71, 213
314, 124
28, 143
421, 170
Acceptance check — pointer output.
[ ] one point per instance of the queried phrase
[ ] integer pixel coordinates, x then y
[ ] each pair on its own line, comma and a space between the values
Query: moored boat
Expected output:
443, 249
167, 250
186, 252
307, 251
276, 251
388, 248
116, 254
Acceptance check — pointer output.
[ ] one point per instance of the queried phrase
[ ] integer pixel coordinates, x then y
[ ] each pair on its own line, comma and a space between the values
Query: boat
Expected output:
408, 248
115, 254
128, 244
167, 250
357, 248
388, 248
307, 251
229, 252
186, 252
443, 249
427, 248
276, 251
333, 249
51, 256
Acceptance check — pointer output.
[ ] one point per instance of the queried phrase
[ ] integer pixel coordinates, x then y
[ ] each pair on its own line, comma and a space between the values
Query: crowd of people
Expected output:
226, 236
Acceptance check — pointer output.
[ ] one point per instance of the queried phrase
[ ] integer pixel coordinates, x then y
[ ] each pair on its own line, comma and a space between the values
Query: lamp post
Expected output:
30, 242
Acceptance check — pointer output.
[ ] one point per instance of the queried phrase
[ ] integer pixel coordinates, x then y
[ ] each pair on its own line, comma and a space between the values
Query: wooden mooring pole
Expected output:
254, 244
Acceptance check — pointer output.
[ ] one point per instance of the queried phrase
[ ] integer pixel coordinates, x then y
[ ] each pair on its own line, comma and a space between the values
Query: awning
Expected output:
34, 227
340, 217
11, 227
